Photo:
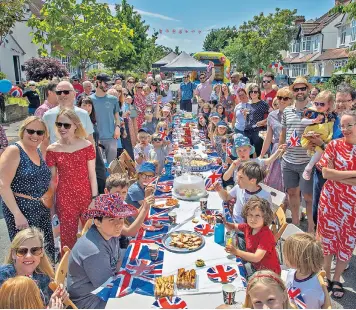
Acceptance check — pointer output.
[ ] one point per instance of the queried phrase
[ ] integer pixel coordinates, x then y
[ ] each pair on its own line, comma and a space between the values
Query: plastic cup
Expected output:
203, 204
229, 292
153, 250
172, 217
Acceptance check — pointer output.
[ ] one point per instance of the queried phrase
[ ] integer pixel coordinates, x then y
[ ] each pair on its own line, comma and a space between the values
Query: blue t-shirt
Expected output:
187, 90
337, 133
135, 194
105, 109
42, 281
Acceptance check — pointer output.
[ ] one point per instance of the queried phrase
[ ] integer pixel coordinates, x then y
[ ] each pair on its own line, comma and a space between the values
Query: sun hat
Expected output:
147, 167
222, 124
214, 114
300, 80
110, 205
240, 141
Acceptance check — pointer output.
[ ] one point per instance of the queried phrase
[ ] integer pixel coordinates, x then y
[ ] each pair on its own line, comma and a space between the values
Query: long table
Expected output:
209, 294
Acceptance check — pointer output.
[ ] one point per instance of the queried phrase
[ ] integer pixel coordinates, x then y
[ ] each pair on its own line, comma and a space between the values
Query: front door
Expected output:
17, 68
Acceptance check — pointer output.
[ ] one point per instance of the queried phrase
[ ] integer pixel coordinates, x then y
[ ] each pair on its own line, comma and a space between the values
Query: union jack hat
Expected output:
110, 205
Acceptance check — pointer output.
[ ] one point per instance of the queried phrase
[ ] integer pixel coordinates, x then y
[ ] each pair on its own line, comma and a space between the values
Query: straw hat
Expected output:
300, 80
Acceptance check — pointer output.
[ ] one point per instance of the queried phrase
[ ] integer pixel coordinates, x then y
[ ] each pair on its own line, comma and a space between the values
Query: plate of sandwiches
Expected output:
183, 241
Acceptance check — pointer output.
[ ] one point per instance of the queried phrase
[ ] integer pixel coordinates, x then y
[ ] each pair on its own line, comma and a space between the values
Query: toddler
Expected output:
160, 150
142, 148
220, 132
320, 121
304, 254
151, 120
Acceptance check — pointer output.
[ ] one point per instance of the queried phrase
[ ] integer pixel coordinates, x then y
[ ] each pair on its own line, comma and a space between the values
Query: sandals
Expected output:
339, 289
329, 285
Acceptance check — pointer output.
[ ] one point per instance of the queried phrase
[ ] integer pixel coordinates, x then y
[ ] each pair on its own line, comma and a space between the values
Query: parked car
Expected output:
318, 79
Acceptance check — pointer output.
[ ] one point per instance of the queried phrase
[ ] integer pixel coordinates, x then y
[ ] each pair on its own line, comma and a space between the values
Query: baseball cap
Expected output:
103, 77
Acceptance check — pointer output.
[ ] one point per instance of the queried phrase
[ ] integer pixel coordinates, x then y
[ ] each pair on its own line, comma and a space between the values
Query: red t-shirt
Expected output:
78, 89
269, 97
263, 240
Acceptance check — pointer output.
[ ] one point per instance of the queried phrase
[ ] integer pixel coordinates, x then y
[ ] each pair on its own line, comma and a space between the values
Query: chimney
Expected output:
341, 2
300, 19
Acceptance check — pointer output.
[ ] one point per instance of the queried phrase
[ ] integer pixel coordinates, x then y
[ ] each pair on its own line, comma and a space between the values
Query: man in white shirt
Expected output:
66, 98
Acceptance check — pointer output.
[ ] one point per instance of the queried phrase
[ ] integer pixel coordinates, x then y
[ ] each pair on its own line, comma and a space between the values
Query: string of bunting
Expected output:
186, 31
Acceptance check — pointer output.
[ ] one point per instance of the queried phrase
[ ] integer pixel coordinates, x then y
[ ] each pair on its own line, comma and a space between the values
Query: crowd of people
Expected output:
298, 140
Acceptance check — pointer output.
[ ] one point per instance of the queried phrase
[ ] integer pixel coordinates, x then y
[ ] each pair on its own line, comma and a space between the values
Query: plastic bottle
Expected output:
219, 232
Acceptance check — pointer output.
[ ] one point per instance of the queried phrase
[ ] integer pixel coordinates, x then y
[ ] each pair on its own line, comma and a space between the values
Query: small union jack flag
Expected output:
295, 295
163, 134
222, 273
170, 303
294, 140
229, 148
211, 179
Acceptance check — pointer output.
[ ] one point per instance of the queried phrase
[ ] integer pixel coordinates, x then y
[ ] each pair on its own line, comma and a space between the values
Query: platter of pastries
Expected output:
186, 279
166, 203
164, 287
183, 241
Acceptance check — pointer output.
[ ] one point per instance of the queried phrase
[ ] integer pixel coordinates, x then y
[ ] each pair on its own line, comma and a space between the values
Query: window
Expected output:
353, 30
306, 44
295, 47
338, 64
299, 70
342, 35
316, 43
66, 62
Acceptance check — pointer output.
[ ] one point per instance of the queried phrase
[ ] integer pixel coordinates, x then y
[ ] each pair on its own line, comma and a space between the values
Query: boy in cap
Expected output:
96, 255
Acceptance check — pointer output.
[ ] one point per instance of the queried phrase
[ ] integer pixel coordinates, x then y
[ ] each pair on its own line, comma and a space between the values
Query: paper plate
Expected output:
170, 303
222, 274
204, 229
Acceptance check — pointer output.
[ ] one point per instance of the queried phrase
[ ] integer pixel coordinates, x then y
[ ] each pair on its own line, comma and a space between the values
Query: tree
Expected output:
218, 39
38, 69
86, 31
260, 41
127, 60
176, 50
10, 12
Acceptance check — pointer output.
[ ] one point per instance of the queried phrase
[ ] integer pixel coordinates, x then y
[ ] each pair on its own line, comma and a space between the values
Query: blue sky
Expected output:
206, 14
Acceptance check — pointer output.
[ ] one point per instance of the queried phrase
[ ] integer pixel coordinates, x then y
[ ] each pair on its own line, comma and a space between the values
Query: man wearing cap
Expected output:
296, 158
66, 98
185, 93
33, 98
205, 87
107, 116
96, 255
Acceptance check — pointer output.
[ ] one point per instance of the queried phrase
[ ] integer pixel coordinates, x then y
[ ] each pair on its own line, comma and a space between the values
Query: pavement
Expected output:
349, 278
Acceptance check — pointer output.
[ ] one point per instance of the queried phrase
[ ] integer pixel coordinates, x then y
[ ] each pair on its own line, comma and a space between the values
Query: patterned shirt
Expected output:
291, 121
257, 113
274, 120
3, 139
42, 109
42, 280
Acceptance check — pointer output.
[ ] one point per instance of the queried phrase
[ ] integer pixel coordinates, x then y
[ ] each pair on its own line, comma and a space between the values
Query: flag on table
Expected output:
294, 140
211, 179
170, 303
295, 295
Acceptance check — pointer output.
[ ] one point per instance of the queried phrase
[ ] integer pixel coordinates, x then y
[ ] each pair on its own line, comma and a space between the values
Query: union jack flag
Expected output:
170, 303
294, 140
204, 229
211, 179
226, 212
228, 148
295, 295
163, 134
222, 273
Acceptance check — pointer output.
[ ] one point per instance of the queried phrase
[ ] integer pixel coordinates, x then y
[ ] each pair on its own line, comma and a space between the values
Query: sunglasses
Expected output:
31, 85
32, 131
299, 89
65, 125
156, 139
254, 92
319, 104
125, 95
35, 251
267, 81
59, 92
131, 82
347, 127
139, 87
149, 112
283, 98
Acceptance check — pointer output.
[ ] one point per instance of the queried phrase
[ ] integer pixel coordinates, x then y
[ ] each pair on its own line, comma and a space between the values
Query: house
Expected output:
17, 46
320, 46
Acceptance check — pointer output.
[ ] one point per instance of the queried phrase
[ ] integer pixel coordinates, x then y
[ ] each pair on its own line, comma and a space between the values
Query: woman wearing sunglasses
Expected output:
72, 163
284, 98
26, 178
140, 105
27, 257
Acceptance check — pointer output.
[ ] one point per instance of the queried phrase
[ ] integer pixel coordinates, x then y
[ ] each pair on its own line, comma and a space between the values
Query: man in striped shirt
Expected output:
295, 158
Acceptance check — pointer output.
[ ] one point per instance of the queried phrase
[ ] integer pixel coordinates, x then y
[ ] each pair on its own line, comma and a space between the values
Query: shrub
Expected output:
38, 69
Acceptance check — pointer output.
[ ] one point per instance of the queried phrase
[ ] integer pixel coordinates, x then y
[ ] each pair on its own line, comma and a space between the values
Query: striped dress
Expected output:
337, 211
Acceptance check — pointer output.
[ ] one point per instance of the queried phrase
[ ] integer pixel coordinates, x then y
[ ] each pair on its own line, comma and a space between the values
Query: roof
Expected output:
316, 26
184, 62
36, 6
298, 60
165, 60
334, 53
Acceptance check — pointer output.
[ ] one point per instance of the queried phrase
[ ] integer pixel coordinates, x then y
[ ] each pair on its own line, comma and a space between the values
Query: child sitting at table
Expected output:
249, 175
304, 254
142, 148
173, 107
161, 149
219, 133
242, 149
166, 115
258, 246
163, 129
151, 119
214, 119
206, 110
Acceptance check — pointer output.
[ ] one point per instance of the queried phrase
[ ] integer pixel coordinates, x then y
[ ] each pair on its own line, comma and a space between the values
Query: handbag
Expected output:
46, 199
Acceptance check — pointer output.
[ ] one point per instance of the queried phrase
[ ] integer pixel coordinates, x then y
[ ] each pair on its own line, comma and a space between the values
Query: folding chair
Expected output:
277, 196
116, 167
61, 274
279, 224
130, 164
321, 278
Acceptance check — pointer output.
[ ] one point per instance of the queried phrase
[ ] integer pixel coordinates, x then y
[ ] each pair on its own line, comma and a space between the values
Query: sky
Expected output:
210, 14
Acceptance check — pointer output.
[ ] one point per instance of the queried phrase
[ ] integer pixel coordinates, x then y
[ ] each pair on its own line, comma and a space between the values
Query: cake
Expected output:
189, 187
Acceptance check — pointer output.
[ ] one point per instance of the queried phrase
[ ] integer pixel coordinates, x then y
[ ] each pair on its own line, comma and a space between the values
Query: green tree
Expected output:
128, 60
176, 50
86, 31
260, 41
217, 39
10, 12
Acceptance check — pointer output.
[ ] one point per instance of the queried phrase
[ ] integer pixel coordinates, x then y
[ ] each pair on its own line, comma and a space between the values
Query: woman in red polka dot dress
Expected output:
73, 159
